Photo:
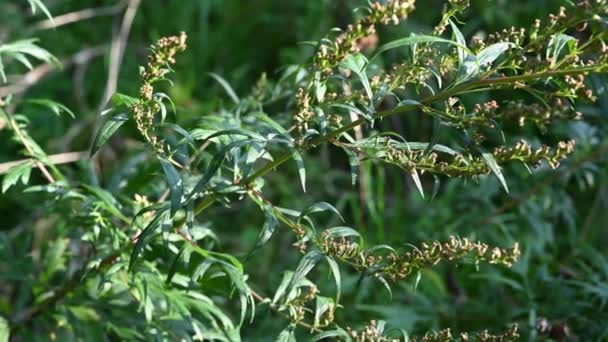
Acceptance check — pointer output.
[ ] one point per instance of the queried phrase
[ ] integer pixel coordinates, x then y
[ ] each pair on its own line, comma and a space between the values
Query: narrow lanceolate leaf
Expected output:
176, 187
418, 39
55, 107
460, 40
18, 172
490, 54
37, 4
387, 286
282, 289
118, 100
335, 271
214, 165
270, 224
107, 130
353, 161
486, 57
174, 266
417, 181
144, 237
557, 44
338, 232
339, 334
307, 263
357, 64
226, 87
319, 207
493, 165
301, 169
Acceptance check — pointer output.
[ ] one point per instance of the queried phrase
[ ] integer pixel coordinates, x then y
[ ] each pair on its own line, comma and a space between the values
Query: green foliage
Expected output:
205, 206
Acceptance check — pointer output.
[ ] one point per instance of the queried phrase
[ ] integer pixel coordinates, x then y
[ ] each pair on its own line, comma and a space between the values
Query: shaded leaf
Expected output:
144, 237
270, 224
335, 271
319, 207
307, 263
174, 180
107, 130
226, 87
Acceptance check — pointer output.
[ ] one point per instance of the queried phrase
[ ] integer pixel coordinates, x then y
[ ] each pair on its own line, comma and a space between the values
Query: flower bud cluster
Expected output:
461, 166
331, 54
446, 335
144, 111
400, 266
397, 266
486, 114
370, 333
524, 153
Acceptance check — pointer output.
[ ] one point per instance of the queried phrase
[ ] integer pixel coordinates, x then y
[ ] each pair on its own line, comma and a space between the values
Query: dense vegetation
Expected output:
427, 171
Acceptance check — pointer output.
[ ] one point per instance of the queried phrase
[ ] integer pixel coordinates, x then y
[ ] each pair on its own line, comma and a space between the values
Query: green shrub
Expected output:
139, 256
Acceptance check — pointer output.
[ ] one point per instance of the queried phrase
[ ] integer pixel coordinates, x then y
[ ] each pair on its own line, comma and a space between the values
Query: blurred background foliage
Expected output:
560, 218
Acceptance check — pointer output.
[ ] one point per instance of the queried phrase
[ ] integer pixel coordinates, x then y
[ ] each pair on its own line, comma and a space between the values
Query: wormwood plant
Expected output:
154, 255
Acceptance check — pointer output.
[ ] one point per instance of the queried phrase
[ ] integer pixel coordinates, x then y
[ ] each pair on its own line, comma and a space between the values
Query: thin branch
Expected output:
76, 16
15, 127
56, 159
117, 51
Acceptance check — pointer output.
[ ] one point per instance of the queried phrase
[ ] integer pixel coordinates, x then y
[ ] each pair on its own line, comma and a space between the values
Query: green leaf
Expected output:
417, 39
474, 64
353, 161
301, 169
335, 271
417, 181
119, 100
270, 224
287, 335
55, 107
386, 286
226, 87
109, 202
322, 305
5, 330
107, 130
338, 232
37, 4
282, 289
357, 64
307, 263
214, 165
22, 48
340, 333
490, 54
174, 180
352, 108
319, 207
142, 239
460, 40
174, 266
493, 165
17, 172
557, 44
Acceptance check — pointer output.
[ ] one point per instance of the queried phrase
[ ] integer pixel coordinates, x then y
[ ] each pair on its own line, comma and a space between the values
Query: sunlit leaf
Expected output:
496, 169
